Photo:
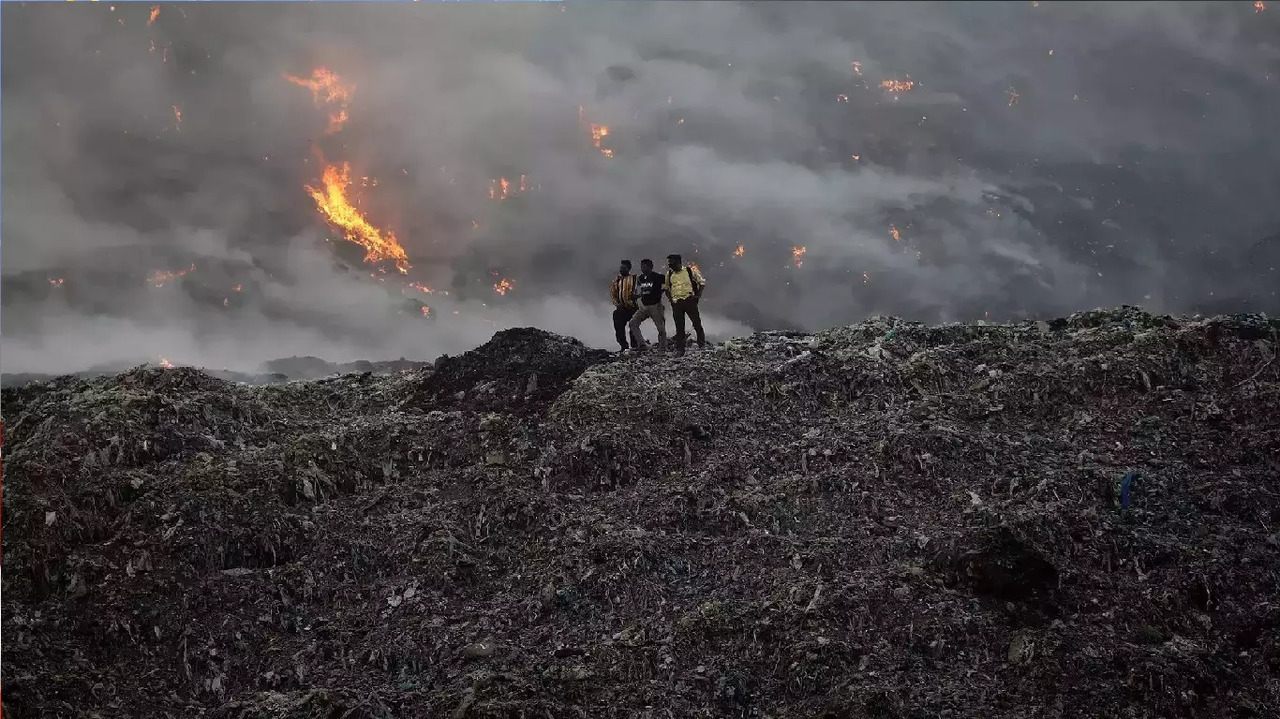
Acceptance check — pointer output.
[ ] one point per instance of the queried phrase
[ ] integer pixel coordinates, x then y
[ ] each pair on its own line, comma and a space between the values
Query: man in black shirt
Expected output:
649, 288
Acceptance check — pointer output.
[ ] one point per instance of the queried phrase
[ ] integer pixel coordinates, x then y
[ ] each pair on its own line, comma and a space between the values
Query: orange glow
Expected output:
332, 202
503, 286
160, 278
896, 87
155, 13
327, 89
166, 363
237, 288
897, 236
740, 251
177, 116
422, 288
797, 255
1259, 6
426, 311
857, 67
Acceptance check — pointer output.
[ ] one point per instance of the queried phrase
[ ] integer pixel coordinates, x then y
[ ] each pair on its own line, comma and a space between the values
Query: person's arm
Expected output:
666, 286
700, 284
613, 292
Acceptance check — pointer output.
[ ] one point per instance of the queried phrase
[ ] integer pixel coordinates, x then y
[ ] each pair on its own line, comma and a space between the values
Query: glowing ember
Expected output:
598, 133
421, 288
426, 311
327, 89
857, 67
166, 363
502, 286
740, 251
237, 288
897, 87
855, 158
897, 236
56, 281
160, 278
499, 189
1013, 96
797, 255
1259, 6
155, 13
331, 199
177, 116
842, 97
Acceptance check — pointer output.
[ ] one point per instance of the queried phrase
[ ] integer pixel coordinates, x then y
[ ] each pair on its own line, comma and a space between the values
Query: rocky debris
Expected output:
519, 369
1077, 517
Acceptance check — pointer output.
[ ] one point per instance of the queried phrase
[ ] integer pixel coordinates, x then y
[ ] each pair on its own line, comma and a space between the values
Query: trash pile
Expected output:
1070, 518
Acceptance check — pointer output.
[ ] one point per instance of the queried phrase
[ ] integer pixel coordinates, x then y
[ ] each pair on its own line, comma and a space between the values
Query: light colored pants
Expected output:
657, 313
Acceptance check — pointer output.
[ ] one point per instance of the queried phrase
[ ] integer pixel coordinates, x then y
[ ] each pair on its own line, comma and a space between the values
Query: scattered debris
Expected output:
885, 519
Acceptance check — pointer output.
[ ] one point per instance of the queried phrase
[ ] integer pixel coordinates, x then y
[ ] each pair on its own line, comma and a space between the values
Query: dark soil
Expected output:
881, 520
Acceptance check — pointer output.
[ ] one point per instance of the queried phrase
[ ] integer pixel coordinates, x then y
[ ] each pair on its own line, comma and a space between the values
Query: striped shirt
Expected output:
623, 290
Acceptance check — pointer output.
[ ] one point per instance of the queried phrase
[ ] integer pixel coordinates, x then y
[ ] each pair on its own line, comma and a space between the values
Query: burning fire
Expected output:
161, 277
1259, 6
1013, 96
331, 199
740, 251
155, 13
237, 288
327, 89
426, 311
598, 133
166, 363
857, 67
897, 236
896, 87
797, 255
56, 281
331, 196
842, 97
177, 116
422, 288
503, 286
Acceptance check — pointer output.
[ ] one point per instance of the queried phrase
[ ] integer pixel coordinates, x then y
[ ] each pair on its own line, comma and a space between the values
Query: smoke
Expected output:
1047, 157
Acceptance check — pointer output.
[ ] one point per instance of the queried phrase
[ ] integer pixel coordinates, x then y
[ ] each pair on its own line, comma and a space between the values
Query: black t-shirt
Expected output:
649, 284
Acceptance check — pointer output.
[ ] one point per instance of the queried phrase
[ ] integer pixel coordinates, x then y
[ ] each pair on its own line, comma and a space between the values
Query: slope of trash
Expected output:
1051, 519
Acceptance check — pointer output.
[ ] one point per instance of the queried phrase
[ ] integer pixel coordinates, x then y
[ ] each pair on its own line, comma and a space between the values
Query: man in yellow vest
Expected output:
684, 289
622, 292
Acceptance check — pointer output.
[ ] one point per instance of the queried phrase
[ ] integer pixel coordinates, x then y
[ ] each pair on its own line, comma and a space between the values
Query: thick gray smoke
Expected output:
1031, 158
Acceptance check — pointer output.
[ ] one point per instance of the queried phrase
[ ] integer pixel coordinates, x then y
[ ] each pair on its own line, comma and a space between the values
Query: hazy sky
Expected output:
1047, 157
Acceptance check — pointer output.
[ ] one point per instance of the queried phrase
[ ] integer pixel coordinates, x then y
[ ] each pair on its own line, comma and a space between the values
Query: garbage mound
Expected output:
1077, 517
520, 367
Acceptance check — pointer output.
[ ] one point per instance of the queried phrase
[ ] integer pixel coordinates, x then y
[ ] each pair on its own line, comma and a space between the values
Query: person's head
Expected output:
624, 267
673, 261
646, 265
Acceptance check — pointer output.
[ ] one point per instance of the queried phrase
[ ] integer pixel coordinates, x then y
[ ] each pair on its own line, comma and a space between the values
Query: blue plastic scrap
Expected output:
1126, 485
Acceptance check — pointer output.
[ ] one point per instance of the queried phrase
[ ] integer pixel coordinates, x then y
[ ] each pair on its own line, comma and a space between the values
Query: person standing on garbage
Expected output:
684, 287
623, 294
649, 288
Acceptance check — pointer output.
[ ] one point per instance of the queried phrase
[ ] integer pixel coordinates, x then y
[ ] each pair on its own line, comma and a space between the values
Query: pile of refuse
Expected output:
1078, 517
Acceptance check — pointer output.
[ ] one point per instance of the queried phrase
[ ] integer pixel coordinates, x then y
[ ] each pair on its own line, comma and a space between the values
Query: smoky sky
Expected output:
1048, 157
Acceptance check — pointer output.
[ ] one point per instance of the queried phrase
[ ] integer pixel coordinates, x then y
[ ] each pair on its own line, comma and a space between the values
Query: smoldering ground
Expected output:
819, 162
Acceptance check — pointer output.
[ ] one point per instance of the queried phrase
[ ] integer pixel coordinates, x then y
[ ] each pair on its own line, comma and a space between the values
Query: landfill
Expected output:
1076, 517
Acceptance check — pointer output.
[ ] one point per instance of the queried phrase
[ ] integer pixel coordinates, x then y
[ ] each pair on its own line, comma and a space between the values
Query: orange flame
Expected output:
896, 87
426, 311
740, 251
237, 288
166, 363
421, 288
159, 278
331, 199
155, 13
598, 133
503, 286
327, 89
1259, 6
897, 236
797, 255
177, 116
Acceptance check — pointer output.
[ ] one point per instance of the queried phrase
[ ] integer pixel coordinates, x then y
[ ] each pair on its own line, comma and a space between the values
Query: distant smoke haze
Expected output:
1031, 158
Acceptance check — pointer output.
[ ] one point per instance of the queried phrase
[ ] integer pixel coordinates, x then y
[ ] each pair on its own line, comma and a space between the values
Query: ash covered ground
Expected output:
1077, 517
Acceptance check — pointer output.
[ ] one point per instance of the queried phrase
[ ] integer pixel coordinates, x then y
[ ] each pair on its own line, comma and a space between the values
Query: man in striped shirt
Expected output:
623, 294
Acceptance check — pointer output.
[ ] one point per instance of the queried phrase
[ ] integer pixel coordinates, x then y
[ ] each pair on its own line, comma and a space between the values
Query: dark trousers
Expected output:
621, 316
680, 308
